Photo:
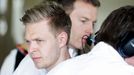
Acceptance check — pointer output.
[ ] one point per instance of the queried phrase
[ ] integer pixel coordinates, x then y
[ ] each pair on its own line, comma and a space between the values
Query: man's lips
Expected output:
84, 39
36, 59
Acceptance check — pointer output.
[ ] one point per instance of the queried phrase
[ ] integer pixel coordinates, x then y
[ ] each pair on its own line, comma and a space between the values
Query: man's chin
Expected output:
76, 46
39, 66
80, 47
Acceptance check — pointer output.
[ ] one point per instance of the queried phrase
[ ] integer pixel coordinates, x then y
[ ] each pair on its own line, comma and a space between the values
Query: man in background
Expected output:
114, 42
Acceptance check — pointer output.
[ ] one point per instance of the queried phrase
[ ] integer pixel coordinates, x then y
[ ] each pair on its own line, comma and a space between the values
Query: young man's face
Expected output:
83, 18
44, 46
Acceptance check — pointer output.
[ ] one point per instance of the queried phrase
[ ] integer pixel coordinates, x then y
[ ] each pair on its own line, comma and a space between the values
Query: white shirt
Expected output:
102, 60
8, 64
27, 67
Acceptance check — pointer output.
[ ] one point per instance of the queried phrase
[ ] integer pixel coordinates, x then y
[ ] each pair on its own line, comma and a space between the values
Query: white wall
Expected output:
108, 6
17, 26
18, 11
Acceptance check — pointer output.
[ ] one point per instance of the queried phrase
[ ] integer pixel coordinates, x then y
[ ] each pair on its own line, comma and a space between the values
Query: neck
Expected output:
64, 55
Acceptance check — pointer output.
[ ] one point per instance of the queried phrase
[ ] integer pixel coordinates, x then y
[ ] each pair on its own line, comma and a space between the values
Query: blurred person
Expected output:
83, 16
13, 59
115, 34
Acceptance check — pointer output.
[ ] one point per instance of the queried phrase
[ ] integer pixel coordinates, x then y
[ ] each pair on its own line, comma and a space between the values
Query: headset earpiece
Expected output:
90, 40
126, 45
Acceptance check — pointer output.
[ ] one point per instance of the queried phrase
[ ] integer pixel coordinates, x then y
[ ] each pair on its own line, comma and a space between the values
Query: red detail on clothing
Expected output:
22, 49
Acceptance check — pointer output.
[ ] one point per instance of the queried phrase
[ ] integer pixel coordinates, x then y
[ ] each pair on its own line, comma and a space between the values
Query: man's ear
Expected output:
62, 39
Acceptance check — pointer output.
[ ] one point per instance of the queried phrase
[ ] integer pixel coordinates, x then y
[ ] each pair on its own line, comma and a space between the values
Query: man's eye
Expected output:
27, 42
39, 41
83, 21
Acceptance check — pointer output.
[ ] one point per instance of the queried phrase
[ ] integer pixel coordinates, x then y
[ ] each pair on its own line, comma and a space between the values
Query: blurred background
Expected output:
12, 30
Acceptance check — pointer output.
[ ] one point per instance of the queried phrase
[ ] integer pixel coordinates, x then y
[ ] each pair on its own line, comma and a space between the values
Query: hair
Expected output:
116, 26
58, 20
69, 4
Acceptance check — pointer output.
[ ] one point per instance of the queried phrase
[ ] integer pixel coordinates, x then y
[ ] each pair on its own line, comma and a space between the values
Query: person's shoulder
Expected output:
8, 65
27, 67
75, 60
68, 67
62, 68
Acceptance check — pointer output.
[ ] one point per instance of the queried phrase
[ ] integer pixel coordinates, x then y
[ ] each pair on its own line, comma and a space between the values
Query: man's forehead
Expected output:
37, 28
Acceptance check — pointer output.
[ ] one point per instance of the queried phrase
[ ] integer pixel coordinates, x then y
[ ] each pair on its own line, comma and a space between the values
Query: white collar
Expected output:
72, 52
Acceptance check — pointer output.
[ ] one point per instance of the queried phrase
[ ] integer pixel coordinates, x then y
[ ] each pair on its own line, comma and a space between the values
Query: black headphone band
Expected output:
126, 45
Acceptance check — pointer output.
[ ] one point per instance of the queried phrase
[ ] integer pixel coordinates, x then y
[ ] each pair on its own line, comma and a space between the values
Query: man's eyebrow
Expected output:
85, 18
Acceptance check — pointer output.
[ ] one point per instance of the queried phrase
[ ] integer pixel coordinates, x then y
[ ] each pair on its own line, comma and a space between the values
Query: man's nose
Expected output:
32, 47
89, 28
